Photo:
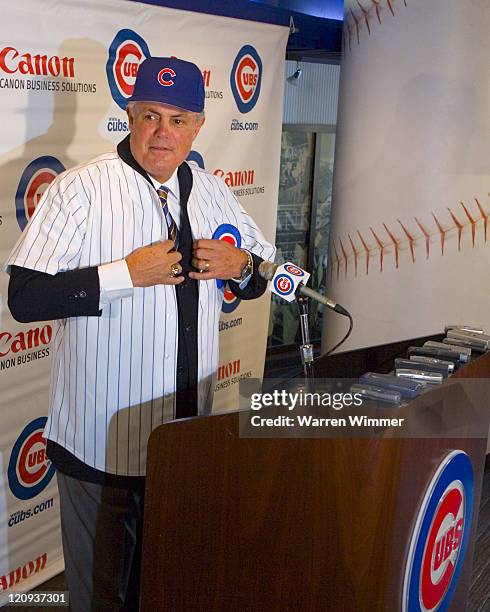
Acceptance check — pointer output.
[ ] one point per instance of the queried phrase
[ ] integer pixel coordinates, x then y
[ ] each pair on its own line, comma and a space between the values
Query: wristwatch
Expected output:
247, 270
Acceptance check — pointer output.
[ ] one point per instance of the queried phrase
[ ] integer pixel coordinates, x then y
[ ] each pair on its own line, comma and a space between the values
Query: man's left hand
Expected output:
217, 259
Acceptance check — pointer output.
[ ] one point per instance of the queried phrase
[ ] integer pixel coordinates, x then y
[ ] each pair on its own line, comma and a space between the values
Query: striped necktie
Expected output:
173, 232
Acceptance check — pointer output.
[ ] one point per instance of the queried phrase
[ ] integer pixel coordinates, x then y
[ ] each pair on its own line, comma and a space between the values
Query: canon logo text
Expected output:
26, 340
12, 61
22, 573
227, 370
236, 179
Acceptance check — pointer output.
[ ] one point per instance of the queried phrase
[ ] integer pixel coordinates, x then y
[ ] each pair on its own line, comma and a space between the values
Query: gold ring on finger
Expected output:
175, 270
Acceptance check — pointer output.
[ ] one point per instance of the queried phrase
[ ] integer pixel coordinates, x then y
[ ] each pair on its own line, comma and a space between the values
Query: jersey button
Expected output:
180, 370
187, 327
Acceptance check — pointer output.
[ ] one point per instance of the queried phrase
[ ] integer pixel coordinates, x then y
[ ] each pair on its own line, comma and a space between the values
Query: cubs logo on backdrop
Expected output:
440, 537
29, 469
195, 158
126, 53
228, 233
33, 183
245, 78
230, 301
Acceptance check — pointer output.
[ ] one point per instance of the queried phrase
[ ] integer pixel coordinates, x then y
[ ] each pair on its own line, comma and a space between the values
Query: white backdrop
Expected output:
65, 70
410, 245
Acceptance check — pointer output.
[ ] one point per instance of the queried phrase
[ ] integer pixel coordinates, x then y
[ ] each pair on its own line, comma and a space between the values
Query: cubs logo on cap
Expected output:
440, 537
169, 80
165, 77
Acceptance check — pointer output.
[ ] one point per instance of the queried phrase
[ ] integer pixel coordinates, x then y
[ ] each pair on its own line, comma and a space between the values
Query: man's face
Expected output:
161, 136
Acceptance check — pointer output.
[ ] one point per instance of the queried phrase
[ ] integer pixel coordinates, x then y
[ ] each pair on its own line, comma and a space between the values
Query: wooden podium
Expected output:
288, 524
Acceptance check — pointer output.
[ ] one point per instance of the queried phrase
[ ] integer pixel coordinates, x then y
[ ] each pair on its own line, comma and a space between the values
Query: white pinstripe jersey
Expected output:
113, 377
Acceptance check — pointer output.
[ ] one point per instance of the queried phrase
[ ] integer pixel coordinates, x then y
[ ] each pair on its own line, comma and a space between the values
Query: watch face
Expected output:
248, 268
245, 273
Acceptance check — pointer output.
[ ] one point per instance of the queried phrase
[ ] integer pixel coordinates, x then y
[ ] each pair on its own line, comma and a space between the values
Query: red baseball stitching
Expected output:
484, 216
457, 224
365, 12
422, 235
376, 6
395, 244
337, 260
427, 237
356, 254
381, 248
411, 240
344, 255
473, 223
366, 250
356, 17
442, 232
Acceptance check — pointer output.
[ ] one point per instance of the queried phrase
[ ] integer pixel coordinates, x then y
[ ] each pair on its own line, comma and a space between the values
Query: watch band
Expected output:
247, 270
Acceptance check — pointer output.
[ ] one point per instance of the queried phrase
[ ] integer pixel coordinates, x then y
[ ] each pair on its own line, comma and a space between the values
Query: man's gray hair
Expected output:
132, 108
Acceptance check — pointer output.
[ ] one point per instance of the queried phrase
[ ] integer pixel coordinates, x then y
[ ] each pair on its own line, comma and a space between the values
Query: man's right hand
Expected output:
152, 265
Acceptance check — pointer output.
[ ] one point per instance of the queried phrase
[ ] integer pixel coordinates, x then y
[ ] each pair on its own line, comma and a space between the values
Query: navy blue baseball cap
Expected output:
170, 81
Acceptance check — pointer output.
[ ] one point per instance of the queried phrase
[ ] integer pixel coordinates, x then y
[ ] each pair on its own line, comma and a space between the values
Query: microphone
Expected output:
268, 269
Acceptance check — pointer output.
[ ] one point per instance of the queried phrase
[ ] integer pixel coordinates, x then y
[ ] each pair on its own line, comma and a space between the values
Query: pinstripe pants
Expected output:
101, 529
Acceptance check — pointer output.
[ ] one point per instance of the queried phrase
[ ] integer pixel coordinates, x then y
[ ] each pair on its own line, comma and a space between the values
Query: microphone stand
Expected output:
306, 349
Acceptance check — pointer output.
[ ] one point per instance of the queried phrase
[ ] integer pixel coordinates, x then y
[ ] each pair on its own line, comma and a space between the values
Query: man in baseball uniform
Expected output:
120, 253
